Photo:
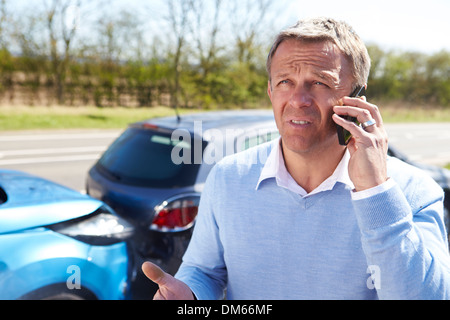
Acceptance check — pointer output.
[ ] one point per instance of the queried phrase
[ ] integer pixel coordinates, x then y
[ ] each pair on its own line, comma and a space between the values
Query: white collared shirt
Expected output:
275, 168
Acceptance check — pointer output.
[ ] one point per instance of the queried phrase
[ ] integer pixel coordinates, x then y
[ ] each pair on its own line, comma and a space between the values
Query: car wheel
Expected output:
64, 296
59, 292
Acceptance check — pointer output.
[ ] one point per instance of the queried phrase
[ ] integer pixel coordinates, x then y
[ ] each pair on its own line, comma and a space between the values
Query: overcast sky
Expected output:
420, 25
417, 25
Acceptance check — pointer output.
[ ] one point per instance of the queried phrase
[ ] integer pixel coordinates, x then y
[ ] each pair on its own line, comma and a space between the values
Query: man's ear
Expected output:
269, 90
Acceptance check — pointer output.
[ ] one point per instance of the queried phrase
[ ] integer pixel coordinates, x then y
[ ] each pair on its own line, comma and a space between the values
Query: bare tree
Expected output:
61, 19
178, 18
3, 23
248, 20
204, 31
119, 36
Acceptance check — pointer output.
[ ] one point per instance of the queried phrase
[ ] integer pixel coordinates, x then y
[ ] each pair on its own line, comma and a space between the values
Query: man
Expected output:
317, 220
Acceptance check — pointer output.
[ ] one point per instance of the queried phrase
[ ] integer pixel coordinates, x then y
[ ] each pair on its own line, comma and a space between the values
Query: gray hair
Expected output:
326, 29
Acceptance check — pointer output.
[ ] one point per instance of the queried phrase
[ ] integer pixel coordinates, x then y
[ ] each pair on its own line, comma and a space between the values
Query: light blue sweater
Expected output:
270, 243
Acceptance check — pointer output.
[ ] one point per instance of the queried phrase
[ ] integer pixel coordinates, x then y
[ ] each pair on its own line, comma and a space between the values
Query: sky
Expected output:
417, 25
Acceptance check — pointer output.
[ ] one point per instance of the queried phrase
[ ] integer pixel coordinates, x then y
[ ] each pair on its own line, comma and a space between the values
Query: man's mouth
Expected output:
300, 122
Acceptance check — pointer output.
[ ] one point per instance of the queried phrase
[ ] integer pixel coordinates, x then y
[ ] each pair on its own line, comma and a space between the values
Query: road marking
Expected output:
34, 152
438, 159
62, 136
50, 159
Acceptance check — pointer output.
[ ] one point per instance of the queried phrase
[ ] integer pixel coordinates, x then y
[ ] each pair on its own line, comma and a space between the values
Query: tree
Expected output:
438, 78
61, 21
178, 19
204, 30
249, 20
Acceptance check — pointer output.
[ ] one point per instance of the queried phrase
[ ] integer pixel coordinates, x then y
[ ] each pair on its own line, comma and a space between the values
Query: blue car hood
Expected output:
33, 202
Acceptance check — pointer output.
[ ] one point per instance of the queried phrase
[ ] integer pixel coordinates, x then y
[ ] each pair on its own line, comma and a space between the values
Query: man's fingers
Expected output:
169, 287
360, 103
154, 273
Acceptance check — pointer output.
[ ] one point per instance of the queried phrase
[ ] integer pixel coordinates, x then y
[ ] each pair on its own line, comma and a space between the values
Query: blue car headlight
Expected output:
99, 228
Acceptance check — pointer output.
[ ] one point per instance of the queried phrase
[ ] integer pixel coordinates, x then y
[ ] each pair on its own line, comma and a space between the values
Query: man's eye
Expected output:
318, 83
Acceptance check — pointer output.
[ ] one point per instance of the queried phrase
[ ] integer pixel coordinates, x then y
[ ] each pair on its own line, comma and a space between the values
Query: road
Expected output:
65, 156
424, 142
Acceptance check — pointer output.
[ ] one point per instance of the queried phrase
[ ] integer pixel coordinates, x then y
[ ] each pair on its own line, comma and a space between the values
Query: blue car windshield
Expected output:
143, 157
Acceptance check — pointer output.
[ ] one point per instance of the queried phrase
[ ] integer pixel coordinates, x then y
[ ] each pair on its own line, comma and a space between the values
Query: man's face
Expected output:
307, 80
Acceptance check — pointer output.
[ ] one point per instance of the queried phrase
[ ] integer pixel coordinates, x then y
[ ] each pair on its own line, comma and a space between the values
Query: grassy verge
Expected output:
401, 114
29, 118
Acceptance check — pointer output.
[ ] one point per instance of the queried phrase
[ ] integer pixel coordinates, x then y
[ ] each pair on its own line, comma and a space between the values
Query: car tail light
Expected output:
176, 214
101, 228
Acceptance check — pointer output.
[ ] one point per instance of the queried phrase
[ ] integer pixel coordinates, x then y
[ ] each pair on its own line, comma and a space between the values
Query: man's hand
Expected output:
368, 146
169, 287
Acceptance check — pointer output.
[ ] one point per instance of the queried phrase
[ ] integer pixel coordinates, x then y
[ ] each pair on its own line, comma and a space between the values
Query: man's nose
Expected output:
301, 97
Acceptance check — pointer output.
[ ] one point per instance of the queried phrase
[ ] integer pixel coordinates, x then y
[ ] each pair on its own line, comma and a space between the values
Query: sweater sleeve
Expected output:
404, 238
203, 268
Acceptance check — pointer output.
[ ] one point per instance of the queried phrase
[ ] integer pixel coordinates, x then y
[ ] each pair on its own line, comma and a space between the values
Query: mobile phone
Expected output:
344, 136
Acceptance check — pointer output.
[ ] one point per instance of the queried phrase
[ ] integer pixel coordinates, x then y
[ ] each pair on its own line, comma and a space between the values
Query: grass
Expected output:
30, 118
402, 114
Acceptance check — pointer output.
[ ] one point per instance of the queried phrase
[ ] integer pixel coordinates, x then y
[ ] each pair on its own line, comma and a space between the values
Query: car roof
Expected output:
209, 120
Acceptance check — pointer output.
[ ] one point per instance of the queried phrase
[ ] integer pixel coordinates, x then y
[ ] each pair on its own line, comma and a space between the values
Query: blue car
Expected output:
56, 243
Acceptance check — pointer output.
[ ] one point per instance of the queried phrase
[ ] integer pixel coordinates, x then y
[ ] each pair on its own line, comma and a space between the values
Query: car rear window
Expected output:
142, 157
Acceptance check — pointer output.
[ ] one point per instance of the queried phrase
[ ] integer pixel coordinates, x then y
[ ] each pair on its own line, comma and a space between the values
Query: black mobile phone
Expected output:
344, 136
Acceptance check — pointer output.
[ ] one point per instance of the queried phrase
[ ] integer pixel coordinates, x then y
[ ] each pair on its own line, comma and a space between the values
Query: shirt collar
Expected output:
275, 168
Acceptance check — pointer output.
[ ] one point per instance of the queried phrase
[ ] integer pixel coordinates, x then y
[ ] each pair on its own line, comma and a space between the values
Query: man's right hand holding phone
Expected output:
368, 145
344, 135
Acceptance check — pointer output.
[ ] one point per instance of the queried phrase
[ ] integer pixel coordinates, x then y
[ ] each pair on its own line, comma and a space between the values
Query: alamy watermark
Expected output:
74, 280
222, 143
374, 280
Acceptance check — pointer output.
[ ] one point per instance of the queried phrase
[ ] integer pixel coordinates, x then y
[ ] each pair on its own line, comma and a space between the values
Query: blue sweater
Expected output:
267, 242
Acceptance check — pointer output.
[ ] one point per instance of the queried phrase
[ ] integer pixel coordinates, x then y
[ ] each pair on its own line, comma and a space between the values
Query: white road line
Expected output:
50, 159
62, 136
34, 152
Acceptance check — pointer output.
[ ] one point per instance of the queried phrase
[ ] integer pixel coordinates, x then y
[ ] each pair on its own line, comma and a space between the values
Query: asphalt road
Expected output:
65, 156
62, 156
424, 142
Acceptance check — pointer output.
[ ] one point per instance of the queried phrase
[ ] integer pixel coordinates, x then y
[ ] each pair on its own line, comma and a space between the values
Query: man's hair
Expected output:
326, 29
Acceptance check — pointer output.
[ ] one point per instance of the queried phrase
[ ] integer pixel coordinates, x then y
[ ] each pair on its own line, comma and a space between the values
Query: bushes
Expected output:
410, 76
395, 76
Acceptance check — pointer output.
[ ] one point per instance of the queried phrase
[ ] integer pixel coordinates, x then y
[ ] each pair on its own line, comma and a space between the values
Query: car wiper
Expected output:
3, 196
115, 175
109, 173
